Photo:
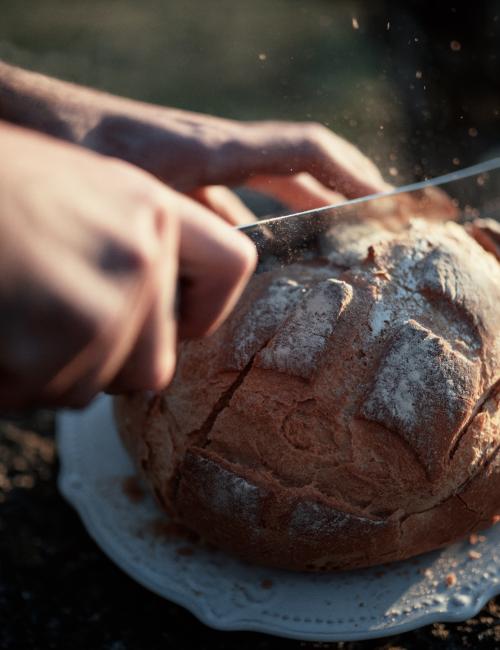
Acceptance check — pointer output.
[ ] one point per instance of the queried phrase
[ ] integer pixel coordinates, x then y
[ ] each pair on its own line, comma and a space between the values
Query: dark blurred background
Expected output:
415, 84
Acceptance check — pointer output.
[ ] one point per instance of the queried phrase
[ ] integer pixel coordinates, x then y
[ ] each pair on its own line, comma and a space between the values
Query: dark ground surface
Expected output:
58, 590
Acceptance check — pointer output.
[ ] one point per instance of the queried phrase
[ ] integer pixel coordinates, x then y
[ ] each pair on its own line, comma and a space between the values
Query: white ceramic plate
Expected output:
230, 595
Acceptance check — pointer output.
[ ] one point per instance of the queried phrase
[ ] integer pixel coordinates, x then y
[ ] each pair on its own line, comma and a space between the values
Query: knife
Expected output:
459, 195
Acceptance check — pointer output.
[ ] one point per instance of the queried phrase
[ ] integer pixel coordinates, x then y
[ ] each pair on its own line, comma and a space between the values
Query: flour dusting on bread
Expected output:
348, 412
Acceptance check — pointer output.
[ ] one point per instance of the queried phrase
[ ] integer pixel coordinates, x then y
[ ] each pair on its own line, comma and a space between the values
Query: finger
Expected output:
299, 192
86, 316
215, 264
116, 309
95, 365
225, 203
266, 148
151, 363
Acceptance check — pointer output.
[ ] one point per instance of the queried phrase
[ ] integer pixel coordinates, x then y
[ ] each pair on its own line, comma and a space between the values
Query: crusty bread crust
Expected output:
348, 412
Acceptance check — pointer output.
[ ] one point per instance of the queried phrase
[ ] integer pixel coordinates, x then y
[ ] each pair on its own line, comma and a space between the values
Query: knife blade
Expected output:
459, 195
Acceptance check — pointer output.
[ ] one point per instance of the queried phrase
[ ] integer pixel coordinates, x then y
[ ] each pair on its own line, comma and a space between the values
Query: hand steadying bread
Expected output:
347, 413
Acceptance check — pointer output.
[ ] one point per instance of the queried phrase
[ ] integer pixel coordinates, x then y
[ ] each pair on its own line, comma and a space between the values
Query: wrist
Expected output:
51, 106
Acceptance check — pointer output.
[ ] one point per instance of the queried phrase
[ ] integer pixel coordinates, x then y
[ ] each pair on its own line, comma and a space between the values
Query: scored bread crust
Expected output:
346, 414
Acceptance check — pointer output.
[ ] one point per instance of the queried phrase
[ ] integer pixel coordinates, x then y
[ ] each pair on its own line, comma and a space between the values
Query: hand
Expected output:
304, 165
92, 251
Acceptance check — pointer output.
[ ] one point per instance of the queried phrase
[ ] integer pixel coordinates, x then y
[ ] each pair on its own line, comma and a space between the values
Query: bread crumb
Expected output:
474, 555
451, 580
427, 573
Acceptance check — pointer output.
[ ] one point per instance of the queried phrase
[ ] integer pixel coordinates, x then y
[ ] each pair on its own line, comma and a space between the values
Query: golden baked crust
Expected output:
346, 414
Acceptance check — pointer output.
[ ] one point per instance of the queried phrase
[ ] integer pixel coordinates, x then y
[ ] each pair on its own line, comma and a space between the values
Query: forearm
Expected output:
184, 149
71, 111
143, 134
48, 105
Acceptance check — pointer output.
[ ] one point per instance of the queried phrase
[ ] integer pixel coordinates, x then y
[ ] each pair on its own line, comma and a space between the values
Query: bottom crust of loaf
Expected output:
266, 523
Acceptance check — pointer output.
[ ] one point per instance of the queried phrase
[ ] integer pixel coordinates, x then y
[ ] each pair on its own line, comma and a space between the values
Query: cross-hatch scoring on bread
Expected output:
347, 413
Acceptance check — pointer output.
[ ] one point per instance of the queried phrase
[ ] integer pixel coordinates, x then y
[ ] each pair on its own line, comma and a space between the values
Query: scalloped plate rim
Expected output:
230, 622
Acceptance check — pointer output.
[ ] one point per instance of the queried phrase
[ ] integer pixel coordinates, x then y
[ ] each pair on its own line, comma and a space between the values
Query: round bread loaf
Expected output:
347, 413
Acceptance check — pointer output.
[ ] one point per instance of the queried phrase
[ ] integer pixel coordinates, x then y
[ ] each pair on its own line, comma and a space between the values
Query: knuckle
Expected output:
314, 143
140, 255
165, 222
243, 257
160, 373
151, 225
316, 131
134, 255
